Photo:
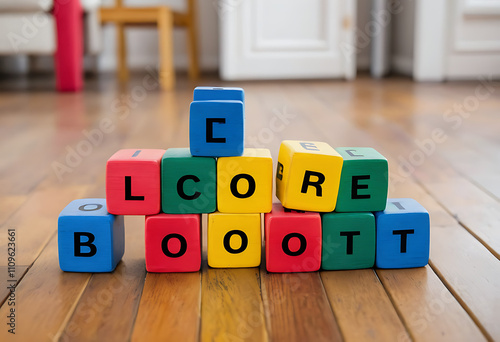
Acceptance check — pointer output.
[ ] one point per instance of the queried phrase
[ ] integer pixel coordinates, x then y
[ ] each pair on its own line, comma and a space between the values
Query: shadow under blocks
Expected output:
334, 212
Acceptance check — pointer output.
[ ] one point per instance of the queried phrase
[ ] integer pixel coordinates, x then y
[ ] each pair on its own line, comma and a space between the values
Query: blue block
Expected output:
90, 239
403, 234
216, 128
218, 93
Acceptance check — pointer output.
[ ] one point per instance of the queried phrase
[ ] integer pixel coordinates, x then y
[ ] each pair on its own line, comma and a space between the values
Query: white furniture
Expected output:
270, 39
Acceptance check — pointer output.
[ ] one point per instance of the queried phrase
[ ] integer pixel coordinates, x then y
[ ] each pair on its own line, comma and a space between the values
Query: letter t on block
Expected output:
133, 182
403, 234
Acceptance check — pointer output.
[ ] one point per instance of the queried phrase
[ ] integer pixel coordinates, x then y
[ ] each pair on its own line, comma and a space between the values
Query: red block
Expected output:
133, 182
293, 240
173, 243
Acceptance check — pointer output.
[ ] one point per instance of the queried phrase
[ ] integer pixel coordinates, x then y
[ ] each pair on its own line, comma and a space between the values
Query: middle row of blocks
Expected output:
310, 176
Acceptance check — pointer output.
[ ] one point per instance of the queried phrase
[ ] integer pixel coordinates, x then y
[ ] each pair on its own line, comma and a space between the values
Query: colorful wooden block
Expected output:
308, 175
364, 181
293, 240
245, 183
216, 122
348, 241
234, 240
173, 243
133, 182
89, 238
403, 234
188, 184
218, 93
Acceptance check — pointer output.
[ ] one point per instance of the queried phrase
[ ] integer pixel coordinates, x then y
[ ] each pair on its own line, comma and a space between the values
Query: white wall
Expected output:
143, 45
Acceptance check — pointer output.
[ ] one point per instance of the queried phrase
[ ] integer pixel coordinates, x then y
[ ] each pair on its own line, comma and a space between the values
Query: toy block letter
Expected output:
173, 243
187, 182
308, 175
364, 180
245, 183
89, 238
218, 93
403, 234
234, 240
348, 241
133, 182
216, 122
293, 240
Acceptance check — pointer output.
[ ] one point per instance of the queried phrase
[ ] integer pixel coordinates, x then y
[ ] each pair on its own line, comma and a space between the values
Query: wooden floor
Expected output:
455, 298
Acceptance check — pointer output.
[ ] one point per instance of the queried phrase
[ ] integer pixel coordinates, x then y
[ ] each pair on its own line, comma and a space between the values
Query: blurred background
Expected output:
241, 40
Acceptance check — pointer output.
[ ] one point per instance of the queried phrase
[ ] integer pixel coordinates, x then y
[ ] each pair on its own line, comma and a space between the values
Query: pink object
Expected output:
173, 243
293, 240
69, 52
133, 182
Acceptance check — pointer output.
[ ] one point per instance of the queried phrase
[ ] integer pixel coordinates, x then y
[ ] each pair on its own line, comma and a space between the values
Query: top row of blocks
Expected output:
216, 122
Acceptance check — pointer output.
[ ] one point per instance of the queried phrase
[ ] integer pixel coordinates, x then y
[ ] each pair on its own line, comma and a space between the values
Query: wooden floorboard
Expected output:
455, 298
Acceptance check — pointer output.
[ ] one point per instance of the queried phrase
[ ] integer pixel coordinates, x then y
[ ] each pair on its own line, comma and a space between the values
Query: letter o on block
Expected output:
245, 183
173, 243
293, 240
89, 238
234, 240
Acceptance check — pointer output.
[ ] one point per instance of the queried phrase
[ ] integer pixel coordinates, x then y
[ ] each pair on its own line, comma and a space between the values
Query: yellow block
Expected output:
308, 175
234, 240
245, 183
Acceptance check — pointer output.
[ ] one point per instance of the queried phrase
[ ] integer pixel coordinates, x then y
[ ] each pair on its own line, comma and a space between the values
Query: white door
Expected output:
276, 39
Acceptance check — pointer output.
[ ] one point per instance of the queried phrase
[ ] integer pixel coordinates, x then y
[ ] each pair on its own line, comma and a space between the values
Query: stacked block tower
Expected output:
334, 212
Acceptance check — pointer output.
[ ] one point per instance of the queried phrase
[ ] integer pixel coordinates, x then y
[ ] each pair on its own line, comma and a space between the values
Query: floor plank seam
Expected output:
460, 301
457, 219
398, 312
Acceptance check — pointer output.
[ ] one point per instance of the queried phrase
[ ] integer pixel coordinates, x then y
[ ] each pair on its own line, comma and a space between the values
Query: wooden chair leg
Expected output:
165, 28
192, 41
123, 74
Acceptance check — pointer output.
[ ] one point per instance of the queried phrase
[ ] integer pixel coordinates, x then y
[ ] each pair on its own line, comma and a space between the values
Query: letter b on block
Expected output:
89, 238
133, 182
216, 122
308, 175
403, 234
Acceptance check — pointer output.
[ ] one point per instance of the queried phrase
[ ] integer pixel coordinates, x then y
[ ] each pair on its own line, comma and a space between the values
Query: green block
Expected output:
364, 180
188, 184
348, 241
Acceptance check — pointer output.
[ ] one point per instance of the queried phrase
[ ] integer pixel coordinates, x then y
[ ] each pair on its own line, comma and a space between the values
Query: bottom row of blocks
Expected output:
92, 240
